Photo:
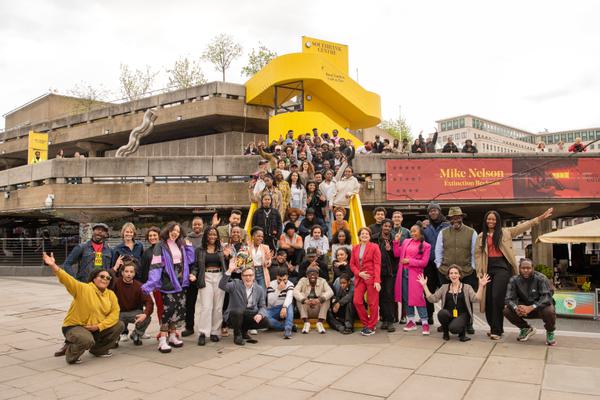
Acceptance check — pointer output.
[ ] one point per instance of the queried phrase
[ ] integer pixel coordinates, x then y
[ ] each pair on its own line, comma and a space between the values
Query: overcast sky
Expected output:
529, 64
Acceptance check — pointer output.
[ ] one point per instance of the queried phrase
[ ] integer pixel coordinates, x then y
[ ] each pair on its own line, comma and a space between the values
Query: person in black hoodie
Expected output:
389, 267
340, 315
269, 220
450, 147
468, 147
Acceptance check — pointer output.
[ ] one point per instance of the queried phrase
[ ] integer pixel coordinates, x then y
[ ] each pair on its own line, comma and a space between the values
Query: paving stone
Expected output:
552, 395
520, 350
575, 357
313, 376
312, 351
172, 393
451, 366
226, 359
430, 388
14, 372
473, 348
419, 342
201, 383
485, 389
264, 392
41, 381
242, 383
375, 380
92, 366
352, 355
286, 363
11, 393
513, 369
74, 391
254, 362
332, 394
571, 379
402, 357
280, 351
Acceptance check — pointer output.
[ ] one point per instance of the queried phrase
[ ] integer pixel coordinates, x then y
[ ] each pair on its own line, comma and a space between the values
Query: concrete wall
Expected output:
227, 143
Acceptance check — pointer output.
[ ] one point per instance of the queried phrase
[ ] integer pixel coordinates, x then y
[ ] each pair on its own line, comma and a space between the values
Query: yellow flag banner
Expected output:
38, 147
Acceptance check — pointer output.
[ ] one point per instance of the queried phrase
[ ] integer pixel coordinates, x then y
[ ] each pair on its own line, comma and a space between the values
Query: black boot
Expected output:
446, 335
237, 338
463, 337
201, 340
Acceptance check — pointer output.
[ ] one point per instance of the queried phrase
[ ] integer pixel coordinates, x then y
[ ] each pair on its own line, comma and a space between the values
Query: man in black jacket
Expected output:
268, 218
450, 147
529, 296
312, 259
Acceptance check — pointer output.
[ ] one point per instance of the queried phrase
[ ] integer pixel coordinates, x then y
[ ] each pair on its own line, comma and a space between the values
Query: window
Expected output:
462, 122
455, 124
571, 136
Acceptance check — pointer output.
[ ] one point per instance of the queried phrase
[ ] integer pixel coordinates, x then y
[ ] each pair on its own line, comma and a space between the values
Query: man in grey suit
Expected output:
247, 308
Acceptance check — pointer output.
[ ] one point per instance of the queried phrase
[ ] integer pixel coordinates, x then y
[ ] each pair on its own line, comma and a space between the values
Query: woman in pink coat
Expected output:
414, 256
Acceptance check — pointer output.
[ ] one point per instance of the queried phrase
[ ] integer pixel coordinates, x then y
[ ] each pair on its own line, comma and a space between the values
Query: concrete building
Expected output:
494, 137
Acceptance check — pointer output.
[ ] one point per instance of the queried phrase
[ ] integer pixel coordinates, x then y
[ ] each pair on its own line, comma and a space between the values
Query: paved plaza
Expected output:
331, 366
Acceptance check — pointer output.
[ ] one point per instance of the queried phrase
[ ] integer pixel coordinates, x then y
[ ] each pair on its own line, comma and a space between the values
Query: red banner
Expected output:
493, 178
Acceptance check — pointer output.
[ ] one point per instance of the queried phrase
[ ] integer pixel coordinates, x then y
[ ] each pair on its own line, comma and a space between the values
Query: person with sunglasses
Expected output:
92, 321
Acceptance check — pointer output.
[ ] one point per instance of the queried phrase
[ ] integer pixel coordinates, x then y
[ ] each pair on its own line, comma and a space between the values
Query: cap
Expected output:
100, 225
433, 205
261, 162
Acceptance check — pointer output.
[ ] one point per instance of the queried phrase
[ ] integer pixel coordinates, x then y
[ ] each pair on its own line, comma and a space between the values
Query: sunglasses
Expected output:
105, 277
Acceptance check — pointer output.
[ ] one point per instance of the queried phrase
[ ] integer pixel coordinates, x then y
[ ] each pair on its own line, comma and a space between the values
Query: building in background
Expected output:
493, 137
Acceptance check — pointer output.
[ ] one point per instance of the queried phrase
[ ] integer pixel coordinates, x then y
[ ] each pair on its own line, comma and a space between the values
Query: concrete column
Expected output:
93, 148
542, 252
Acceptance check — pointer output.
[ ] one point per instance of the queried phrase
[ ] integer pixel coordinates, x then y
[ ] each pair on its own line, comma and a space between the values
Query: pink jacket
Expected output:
416, 264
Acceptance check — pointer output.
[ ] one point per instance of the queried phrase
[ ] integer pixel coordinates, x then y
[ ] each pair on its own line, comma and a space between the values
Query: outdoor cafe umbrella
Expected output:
588, 232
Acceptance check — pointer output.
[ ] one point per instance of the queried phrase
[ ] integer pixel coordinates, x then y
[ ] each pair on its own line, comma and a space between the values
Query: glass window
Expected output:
571, 136
455, 124
443, 126
563, 137
462, 122
584, 136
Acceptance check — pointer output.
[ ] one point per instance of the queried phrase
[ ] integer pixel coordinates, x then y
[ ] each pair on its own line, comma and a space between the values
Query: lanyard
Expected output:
455, 300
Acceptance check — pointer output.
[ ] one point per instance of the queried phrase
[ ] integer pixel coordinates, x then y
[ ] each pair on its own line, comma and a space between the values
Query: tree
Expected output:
88, 97
221, 52
257, 59
136, 83
397, 128
185, 74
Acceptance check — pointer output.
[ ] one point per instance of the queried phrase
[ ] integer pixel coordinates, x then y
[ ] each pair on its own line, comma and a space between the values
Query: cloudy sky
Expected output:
531, 64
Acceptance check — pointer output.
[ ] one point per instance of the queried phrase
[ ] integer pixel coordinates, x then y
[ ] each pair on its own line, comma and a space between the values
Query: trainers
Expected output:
306, 327
495, 337
367, 332
253, 332
78, 361
123, 337
287, 333
550, 341
425, 328
145, 336
163, 346
321, 328
136, 339
410, 326
525, 334
174, 341
105, 355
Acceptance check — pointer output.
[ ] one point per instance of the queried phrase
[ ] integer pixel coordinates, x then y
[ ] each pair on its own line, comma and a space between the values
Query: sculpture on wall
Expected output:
137, 134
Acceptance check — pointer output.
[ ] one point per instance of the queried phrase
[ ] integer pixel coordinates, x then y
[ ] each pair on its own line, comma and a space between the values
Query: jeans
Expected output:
410, 310
275, 321
128, 317
260, 276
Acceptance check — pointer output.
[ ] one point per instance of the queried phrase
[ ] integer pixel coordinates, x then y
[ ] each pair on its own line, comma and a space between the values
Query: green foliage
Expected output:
397, 128
88, 97
546, 270
185, 74
136, 83
257, 59
221, 52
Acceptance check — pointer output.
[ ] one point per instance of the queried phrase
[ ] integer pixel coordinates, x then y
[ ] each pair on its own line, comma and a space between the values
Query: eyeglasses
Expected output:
105, 277
247, 275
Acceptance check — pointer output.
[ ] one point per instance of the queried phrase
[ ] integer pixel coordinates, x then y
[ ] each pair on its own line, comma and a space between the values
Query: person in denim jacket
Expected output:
91, 255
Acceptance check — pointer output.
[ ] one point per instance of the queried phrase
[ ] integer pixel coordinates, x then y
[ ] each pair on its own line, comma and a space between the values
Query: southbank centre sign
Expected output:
493, 178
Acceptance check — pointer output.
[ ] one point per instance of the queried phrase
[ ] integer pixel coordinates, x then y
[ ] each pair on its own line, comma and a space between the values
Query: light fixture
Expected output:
6, 195
179, 118
308, 97
106, 131
49, 201
308, 44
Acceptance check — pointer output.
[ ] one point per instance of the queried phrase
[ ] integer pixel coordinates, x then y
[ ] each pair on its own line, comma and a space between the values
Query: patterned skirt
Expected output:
174, 308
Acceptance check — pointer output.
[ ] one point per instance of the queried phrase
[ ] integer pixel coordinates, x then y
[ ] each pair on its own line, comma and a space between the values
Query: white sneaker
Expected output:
306, 327
174, 340
253, 331
163, 346
123, 337
321, 328
146, 336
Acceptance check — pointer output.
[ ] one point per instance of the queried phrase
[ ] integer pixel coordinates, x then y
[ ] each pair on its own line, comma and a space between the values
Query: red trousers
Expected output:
360, 287
159, 304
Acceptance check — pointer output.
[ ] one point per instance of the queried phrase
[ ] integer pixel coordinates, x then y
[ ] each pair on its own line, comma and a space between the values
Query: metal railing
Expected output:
19, 252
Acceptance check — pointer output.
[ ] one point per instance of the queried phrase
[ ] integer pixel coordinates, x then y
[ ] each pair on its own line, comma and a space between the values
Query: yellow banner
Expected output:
38, 147
336, 53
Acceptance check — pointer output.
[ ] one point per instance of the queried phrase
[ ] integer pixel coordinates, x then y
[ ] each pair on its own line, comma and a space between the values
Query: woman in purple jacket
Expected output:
414, 256
170, 272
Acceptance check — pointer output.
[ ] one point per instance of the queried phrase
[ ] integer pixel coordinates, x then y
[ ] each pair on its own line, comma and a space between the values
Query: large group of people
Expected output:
217, 281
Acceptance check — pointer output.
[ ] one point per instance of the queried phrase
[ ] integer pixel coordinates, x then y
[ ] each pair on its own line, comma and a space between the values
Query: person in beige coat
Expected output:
313, 296
495, 256
346, 186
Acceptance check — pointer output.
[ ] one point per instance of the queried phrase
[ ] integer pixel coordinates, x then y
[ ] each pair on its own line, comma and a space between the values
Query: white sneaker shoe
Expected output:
123, 337
174, 340
306, 327
146, 336
321, 328
163, 347
253, 331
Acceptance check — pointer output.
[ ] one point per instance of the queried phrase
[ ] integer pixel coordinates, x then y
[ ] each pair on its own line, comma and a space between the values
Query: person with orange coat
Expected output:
365, 264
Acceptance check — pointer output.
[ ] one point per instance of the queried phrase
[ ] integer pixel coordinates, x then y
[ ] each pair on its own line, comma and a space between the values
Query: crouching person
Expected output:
136, 306
246, 309
529, 296
280, 295
313, 296
341, 314
92, 322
